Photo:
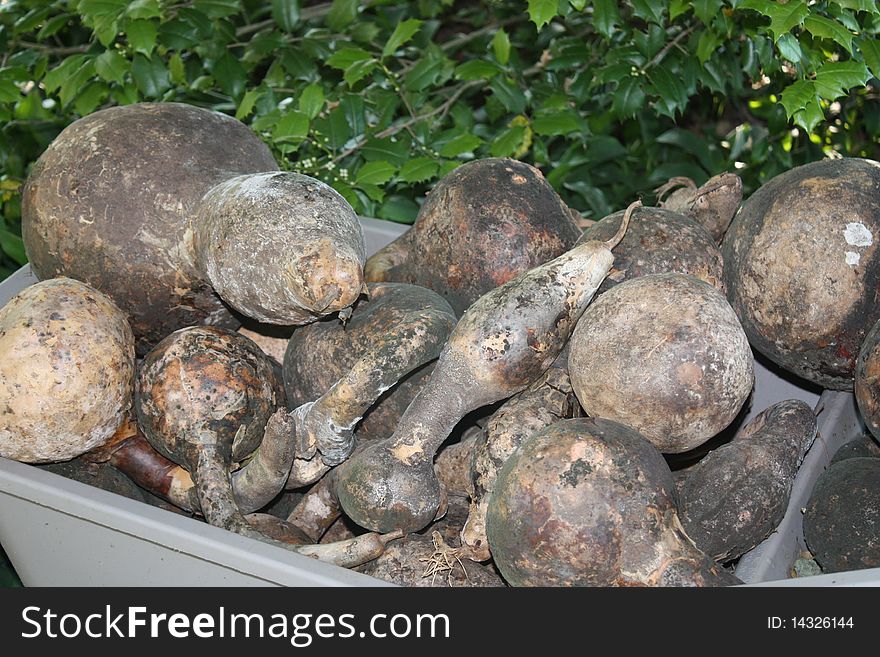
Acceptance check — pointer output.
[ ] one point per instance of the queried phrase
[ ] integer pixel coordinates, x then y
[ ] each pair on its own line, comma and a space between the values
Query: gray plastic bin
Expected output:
57, 531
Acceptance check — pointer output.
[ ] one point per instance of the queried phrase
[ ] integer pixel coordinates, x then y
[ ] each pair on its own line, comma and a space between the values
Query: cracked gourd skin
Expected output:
175, 211
736, 495
665, 355
66, 371
495, 206
590, 502
500, 346
659, 241
110, 200
801, 267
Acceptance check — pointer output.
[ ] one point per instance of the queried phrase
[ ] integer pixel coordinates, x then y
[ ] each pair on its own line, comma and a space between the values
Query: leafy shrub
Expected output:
382, 98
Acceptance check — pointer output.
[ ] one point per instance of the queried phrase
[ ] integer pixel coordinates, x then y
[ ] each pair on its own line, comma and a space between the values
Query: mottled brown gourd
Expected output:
117, 201
500, 346
659, 241
66, 371
735, 496
590, 502
801, 266
867, 380
495, 206
841, 524
547, 401
665, 355
339, 371
204, 399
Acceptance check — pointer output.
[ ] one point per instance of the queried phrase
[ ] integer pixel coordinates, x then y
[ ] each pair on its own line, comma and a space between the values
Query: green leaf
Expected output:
142, 35
58, 75
90, 97
395, 152
429, 71
176, 69
783, 17
352, 106
311, 101
286, 14
150, 76
111, 66
542, 12
869, 6
797, 95
230, 75
342, 13
672, 92
579, 5
476, 69
465, 143
835, 79
606, 17
508, 142
556, 123
179, 35
31, 19
509, 94
76, 81
825, 28
375, 173
13, 246
690, 143
501, 46
402, 33
292, 127
335, 127
346, 56
870, 49
246, 106
707, 10
218, 8
418, 170
649, 10
400, 209
790, 48
629, 98
677, 8
144, 9
9, 91
53, 26
706, 45
809, 117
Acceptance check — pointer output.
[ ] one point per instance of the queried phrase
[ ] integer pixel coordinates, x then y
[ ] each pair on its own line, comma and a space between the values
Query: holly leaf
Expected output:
401, 35
311, 101
501, 47
111, 66
542, 12
783, 17
286, 14
870, 49
826, 28
606, 17
835, 79
378, 172
419, 169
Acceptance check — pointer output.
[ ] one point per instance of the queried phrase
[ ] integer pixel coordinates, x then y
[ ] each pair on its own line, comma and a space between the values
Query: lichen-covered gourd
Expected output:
204, 399
735, 496
147, 203
67, 366
590, 502
480, 226
665, 355
659, 241
502, 344
801, 267
867, 380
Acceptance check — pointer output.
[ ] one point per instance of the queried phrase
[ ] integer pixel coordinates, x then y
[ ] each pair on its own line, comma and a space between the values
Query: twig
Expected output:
669, 46
476, 34
52, 50
393, 130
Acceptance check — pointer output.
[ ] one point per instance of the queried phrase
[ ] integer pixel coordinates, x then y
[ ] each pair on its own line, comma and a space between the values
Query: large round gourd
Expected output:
802, 267
66, 371
110, 200
665, 355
